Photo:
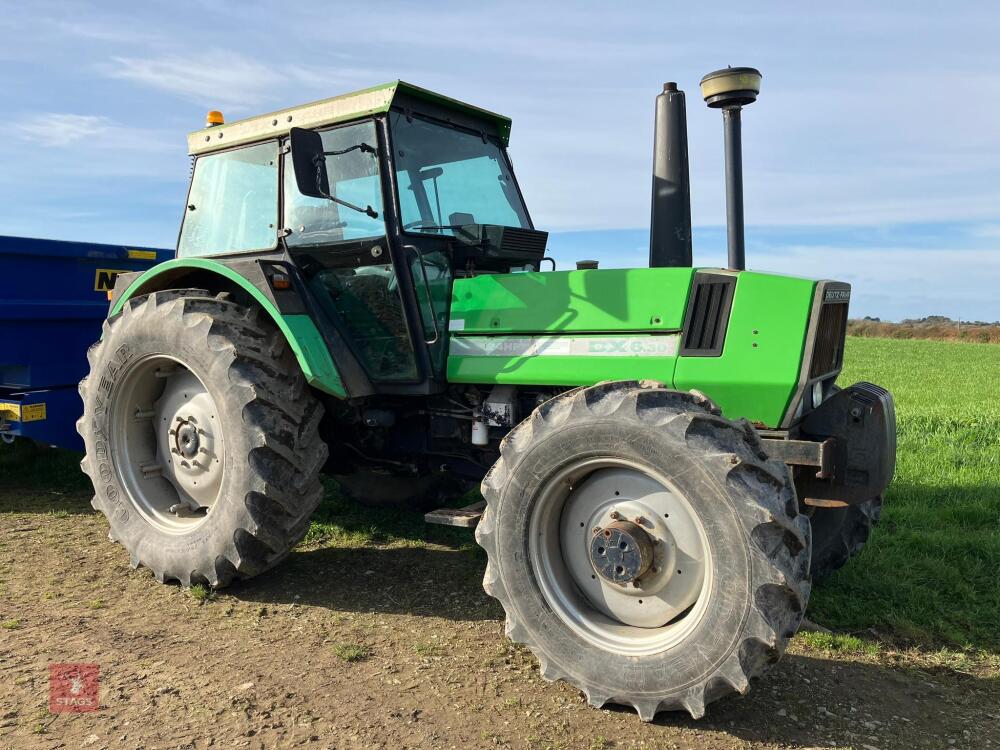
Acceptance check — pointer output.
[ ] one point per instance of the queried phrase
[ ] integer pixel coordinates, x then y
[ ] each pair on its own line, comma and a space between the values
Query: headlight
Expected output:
817, 393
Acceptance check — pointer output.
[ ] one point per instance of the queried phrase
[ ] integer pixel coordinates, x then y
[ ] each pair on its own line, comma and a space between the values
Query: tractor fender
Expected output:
299, 330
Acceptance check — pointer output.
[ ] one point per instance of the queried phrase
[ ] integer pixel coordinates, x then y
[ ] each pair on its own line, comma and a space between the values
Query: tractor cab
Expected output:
371, 203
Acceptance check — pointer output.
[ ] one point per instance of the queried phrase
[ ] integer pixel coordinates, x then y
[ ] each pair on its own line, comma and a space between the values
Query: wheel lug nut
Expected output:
616, 515
597, 529
640, 520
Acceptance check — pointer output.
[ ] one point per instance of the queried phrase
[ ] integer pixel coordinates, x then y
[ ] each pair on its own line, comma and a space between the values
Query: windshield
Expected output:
448, 178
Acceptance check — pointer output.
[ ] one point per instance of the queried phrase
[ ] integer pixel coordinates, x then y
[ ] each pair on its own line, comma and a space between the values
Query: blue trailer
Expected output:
53, 299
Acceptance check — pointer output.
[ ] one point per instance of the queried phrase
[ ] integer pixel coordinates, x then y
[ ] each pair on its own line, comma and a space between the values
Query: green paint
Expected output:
632, 299
555, 370
312, 353
754, 377
299, 330
759, 367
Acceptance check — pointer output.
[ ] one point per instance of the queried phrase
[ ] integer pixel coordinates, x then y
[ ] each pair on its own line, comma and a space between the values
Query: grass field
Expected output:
928, 577
930, 572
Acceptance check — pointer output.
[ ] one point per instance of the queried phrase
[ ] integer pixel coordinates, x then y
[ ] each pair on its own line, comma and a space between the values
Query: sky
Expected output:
872, 155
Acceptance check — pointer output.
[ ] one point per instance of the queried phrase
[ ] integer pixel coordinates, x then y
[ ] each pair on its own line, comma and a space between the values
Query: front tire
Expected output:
201, 438
699, 486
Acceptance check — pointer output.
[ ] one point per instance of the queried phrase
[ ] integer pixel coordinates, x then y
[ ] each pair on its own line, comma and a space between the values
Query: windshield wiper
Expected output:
421, 226
366, 210
320, 162
362, 147
430, 225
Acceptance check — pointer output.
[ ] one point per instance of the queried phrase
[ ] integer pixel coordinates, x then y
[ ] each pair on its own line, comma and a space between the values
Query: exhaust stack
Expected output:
670, 222
730, 90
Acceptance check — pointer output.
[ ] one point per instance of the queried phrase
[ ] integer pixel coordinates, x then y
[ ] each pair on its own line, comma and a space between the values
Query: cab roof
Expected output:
341, 108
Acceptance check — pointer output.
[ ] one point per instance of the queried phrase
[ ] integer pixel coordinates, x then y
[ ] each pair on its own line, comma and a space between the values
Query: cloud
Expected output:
82, 156
103, 31
58, 130
230, 79
901, 283
88, 133
226, 79
987, 231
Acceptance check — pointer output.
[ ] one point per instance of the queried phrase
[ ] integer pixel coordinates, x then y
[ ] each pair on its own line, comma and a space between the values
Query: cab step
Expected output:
466, 517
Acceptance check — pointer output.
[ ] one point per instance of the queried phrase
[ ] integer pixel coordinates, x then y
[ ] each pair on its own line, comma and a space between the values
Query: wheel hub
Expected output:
659, 574
191, 446
171, 442
186, 440
621, 552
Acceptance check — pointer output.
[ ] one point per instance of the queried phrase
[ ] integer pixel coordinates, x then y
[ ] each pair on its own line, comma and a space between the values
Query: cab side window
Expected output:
233, 202
354, 178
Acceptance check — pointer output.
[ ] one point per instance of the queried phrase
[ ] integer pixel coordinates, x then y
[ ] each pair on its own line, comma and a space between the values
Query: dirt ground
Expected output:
384, 647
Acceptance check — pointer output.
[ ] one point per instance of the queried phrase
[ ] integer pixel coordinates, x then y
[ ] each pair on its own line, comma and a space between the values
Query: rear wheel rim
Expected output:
672, 596
167, 437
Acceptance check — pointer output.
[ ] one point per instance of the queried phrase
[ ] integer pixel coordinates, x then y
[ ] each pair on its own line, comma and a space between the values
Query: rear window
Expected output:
233, 203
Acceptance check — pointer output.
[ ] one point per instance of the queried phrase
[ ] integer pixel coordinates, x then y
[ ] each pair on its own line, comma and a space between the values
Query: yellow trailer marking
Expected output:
104, 279
33, 412
15, 412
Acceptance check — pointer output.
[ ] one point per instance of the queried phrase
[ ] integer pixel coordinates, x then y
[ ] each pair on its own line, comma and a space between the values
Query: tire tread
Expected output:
733, 453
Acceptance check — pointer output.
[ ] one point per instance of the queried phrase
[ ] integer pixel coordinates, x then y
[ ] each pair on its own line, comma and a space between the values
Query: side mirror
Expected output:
309, 163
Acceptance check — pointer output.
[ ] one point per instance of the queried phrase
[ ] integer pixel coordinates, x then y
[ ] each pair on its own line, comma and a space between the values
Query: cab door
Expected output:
347, 258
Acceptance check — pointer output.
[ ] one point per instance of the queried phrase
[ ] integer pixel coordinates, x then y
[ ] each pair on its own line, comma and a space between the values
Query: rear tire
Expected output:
841, 533
712, 474
201, 438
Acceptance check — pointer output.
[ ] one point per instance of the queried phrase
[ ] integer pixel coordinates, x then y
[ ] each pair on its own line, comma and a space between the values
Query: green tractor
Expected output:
359, 290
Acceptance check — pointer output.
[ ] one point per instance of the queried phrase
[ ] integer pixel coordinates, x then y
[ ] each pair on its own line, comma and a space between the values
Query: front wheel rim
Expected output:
580, 501
168, 443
